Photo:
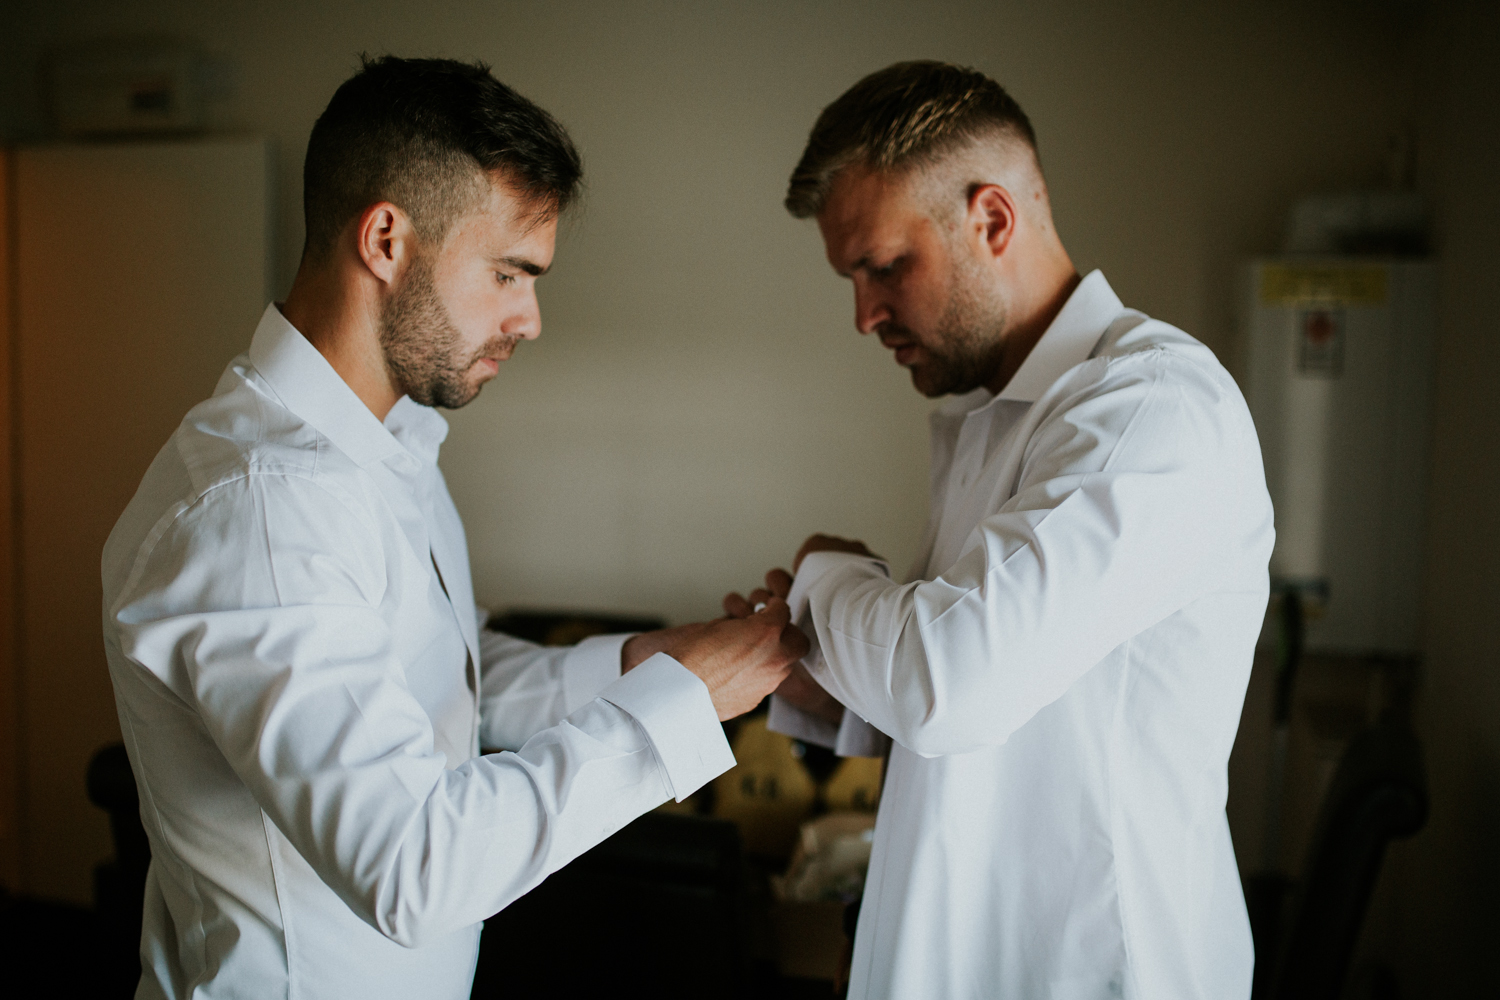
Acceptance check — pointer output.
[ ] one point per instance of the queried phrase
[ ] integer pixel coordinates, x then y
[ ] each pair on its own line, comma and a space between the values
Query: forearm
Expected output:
526, 688
963, 661
493, 829
417, 861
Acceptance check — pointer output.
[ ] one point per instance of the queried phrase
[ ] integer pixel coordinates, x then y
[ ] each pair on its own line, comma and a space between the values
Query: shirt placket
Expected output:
414, 479
968, 457
426, 484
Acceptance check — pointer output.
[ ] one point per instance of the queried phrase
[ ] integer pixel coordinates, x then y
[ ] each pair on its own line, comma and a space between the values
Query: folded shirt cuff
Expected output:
857, 738
789, 720
853, 737
815, 566
673, 707
589, 668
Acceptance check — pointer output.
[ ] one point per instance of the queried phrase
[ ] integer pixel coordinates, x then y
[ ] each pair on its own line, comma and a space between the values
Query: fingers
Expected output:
775, 613
736, 606
829, 543
779, 582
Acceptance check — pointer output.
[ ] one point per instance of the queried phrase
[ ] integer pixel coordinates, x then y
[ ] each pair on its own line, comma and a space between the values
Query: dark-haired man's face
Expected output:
916, 286
461, 308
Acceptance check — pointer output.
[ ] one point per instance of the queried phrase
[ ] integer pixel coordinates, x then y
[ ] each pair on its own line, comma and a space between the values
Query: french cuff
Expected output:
852, 737
817, 565
789, 720
857, 738
589, 668
672, 705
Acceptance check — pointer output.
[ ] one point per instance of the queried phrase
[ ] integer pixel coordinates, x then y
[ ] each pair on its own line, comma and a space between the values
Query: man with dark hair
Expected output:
302, 681
1059, 681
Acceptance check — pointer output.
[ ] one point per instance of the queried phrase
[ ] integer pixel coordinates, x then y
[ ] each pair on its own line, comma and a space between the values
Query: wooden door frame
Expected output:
11, 818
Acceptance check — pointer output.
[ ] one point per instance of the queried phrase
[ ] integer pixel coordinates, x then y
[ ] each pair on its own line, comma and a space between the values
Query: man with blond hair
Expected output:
1059, 679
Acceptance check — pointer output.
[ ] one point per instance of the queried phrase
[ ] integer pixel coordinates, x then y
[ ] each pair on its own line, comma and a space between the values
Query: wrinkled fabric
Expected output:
303, 688
1061, 678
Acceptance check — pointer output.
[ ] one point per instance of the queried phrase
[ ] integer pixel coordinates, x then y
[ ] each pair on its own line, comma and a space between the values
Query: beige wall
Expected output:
698, 403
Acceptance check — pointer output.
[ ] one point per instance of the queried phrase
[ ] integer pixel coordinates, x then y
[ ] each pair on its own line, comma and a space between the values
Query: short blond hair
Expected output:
904, 116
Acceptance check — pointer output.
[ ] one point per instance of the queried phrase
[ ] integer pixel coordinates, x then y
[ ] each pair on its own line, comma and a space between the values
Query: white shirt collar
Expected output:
307, 385
1068, 341
420, 428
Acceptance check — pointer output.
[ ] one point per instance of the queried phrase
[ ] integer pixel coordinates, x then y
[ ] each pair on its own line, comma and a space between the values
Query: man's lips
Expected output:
906, 352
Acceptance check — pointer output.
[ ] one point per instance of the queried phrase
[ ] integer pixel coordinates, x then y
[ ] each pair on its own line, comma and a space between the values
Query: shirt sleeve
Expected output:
852, 737
259, 608
1138, 491
525, 688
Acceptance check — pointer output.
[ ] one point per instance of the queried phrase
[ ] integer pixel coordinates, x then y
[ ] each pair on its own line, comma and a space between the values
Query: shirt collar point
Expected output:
308, 386
1068, 341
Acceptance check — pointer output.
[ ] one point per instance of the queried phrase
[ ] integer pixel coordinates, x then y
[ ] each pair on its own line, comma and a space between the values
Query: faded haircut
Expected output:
422, 134
903, 117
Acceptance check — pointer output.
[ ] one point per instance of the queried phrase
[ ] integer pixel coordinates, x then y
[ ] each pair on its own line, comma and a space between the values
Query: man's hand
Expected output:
799, 688
742, 660
829, 543
640, 648
802, 691
778, 584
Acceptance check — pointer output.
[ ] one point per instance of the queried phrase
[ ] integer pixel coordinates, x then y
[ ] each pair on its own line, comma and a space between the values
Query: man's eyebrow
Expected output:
522, 264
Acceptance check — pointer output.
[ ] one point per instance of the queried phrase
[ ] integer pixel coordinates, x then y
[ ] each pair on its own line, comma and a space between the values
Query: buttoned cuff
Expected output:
589, 668
673, 706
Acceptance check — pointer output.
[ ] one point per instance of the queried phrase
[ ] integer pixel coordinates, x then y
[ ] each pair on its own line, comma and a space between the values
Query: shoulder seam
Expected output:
173, 513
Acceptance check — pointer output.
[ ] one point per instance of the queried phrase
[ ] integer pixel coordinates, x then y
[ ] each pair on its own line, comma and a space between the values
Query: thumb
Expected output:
776, 613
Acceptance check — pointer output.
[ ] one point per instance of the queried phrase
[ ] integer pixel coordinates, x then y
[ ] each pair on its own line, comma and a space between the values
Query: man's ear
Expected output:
992, 216
385, 236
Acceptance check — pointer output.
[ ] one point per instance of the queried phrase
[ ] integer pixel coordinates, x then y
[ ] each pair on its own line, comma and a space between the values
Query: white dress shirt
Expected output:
303, 689
1062, 678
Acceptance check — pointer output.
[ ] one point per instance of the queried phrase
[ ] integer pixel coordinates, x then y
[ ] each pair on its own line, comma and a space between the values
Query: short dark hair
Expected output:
906, 115
418, 133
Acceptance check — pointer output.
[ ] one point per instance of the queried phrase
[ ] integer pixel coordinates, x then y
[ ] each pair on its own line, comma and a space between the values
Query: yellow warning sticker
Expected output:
1329, 284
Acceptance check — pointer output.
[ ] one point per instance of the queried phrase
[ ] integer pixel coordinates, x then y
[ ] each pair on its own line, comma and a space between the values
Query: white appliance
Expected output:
1339, 382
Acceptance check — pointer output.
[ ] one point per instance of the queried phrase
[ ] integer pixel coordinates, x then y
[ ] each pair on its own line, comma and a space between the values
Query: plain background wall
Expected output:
698, 402
1446, 883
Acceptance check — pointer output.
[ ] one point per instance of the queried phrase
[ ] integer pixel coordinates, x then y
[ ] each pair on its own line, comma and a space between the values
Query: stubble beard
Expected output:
966, 349
423, 347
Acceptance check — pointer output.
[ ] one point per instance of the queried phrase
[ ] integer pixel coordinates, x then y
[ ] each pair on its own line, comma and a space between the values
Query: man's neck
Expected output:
343, 325
1036, 313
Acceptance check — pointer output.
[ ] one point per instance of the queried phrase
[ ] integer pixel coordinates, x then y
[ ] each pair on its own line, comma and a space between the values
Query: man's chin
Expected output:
935, 385
924, 383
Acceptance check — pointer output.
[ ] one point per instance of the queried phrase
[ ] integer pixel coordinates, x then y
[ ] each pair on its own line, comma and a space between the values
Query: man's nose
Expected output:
869, 311
526, 321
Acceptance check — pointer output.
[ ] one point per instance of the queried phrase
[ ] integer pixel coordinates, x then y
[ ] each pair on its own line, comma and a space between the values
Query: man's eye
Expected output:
505, 279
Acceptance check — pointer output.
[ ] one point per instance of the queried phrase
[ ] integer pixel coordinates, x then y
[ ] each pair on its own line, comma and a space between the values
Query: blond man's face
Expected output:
918, 285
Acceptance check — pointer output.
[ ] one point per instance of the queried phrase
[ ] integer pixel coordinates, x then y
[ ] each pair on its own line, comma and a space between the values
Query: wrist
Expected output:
632, 654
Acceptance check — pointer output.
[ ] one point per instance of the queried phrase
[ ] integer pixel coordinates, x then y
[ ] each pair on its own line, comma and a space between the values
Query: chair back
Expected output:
1379, 792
